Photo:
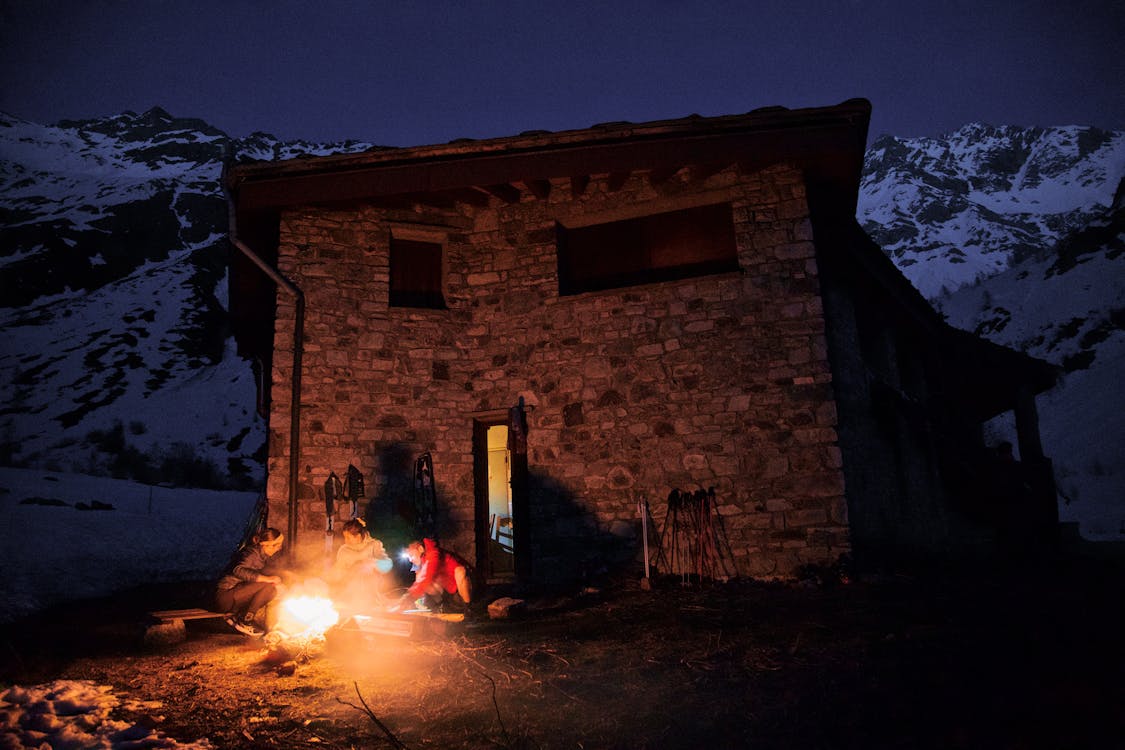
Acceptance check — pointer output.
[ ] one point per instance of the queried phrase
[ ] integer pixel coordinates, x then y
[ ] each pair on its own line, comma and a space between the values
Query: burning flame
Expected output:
305, 616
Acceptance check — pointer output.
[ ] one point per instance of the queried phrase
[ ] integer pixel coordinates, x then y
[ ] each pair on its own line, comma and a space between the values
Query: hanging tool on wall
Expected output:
333, 490
353, 488
425, 497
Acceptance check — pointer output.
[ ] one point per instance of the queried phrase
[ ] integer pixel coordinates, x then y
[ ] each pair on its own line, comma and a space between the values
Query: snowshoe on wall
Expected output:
425, 497
353, 488
333, 491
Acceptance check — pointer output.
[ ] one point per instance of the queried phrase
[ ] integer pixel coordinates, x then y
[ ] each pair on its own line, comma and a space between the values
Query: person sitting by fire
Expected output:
360, 575
437, 573
248, 585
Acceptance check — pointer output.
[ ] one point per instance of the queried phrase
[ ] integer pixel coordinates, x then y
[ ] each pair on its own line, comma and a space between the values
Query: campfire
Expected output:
302, 620
306, 616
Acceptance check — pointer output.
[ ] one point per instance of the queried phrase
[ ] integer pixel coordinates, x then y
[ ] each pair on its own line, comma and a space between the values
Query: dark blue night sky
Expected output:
410, 73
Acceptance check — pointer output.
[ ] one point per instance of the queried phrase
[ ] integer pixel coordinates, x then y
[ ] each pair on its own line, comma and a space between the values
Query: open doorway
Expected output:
500, 483
501, 542
492, 459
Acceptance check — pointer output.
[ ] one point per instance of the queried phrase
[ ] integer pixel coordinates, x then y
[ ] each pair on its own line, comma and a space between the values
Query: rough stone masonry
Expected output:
716, 381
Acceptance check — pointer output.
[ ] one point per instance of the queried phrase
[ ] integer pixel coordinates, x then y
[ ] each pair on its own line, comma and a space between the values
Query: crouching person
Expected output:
246, 587
360, 577
441, 577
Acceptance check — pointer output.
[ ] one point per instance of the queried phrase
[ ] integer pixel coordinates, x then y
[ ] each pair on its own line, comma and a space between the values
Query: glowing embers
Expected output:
306, 616
299, 633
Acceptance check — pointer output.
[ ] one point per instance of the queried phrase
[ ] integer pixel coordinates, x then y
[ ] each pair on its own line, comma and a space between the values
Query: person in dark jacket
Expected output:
247, 587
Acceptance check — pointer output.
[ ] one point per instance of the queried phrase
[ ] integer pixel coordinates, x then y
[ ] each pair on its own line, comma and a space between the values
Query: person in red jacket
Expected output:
437, 572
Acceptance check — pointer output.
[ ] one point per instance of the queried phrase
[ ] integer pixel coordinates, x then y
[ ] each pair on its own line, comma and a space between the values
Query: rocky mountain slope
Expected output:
116, 357
957, 209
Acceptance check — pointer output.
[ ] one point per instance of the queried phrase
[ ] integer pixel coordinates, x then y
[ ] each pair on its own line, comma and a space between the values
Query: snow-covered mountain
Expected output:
968, 205
116, 356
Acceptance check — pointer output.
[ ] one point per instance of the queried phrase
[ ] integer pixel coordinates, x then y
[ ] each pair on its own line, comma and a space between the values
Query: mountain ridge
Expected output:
113, 254
967, 205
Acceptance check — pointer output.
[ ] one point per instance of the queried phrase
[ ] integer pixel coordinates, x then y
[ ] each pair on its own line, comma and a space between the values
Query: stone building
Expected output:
568, 323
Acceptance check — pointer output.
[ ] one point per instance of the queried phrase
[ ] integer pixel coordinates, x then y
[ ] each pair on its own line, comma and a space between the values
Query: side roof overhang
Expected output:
984, 377
989, 377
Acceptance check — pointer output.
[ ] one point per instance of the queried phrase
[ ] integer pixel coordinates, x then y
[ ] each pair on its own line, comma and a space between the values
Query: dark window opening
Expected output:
416, 274
662, 247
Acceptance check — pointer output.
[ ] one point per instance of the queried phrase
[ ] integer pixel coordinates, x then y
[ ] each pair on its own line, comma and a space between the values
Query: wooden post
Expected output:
1027, 425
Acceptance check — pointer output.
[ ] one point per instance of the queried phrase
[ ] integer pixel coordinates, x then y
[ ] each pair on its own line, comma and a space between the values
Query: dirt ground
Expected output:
1031, 657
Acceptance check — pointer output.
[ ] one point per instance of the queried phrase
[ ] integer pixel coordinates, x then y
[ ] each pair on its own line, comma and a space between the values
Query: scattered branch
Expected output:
496, 707
395, 741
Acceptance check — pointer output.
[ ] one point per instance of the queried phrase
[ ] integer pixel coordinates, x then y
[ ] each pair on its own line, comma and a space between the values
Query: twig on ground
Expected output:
566, 694
551, 653
496, 707
395, 741
463, 646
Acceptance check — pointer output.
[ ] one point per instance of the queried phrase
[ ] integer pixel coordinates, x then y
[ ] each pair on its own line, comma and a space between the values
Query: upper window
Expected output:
674, 245
416, 277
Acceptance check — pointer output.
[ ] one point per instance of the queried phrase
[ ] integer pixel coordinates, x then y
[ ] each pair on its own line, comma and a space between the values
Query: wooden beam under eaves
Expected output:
750, 167
506, 193
660, 176
699, 172
539, 188
472, 196
617, 181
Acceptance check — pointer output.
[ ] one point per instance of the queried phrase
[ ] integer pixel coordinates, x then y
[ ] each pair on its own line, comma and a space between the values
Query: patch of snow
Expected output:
57, 552
79, 714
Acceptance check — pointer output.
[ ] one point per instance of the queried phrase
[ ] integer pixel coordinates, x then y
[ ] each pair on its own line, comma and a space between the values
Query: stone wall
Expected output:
718, 381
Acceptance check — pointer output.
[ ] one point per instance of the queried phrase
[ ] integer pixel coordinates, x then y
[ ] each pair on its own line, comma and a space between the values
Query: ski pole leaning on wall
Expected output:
693, 543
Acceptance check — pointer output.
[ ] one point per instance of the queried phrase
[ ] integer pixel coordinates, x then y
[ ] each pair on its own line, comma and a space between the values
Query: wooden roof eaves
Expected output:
816, 139
853, 111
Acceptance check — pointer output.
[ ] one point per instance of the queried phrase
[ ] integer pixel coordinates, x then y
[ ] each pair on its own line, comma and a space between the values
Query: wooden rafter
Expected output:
471, 196
505, 192
617, 180
539, 188
700, 172
660, 176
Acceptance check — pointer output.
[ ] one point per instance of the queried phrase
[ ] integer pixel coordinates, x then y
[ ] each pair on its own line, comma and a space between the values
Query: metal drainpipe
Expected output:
298, 345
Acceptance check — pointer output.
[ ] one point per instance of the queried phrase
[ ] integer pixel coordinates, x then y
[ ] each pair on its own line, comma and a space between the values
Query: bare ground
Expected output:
1031, 657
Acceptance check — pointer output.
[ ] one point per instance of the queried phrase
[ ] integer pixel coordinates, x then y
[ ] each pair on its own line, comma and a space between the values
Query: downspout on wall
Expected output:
298, 346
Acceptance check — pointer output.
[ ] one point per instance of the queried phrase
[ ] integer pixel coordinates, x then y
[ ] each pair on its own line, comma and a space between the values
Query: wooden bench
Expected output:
167, 626
194, 613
